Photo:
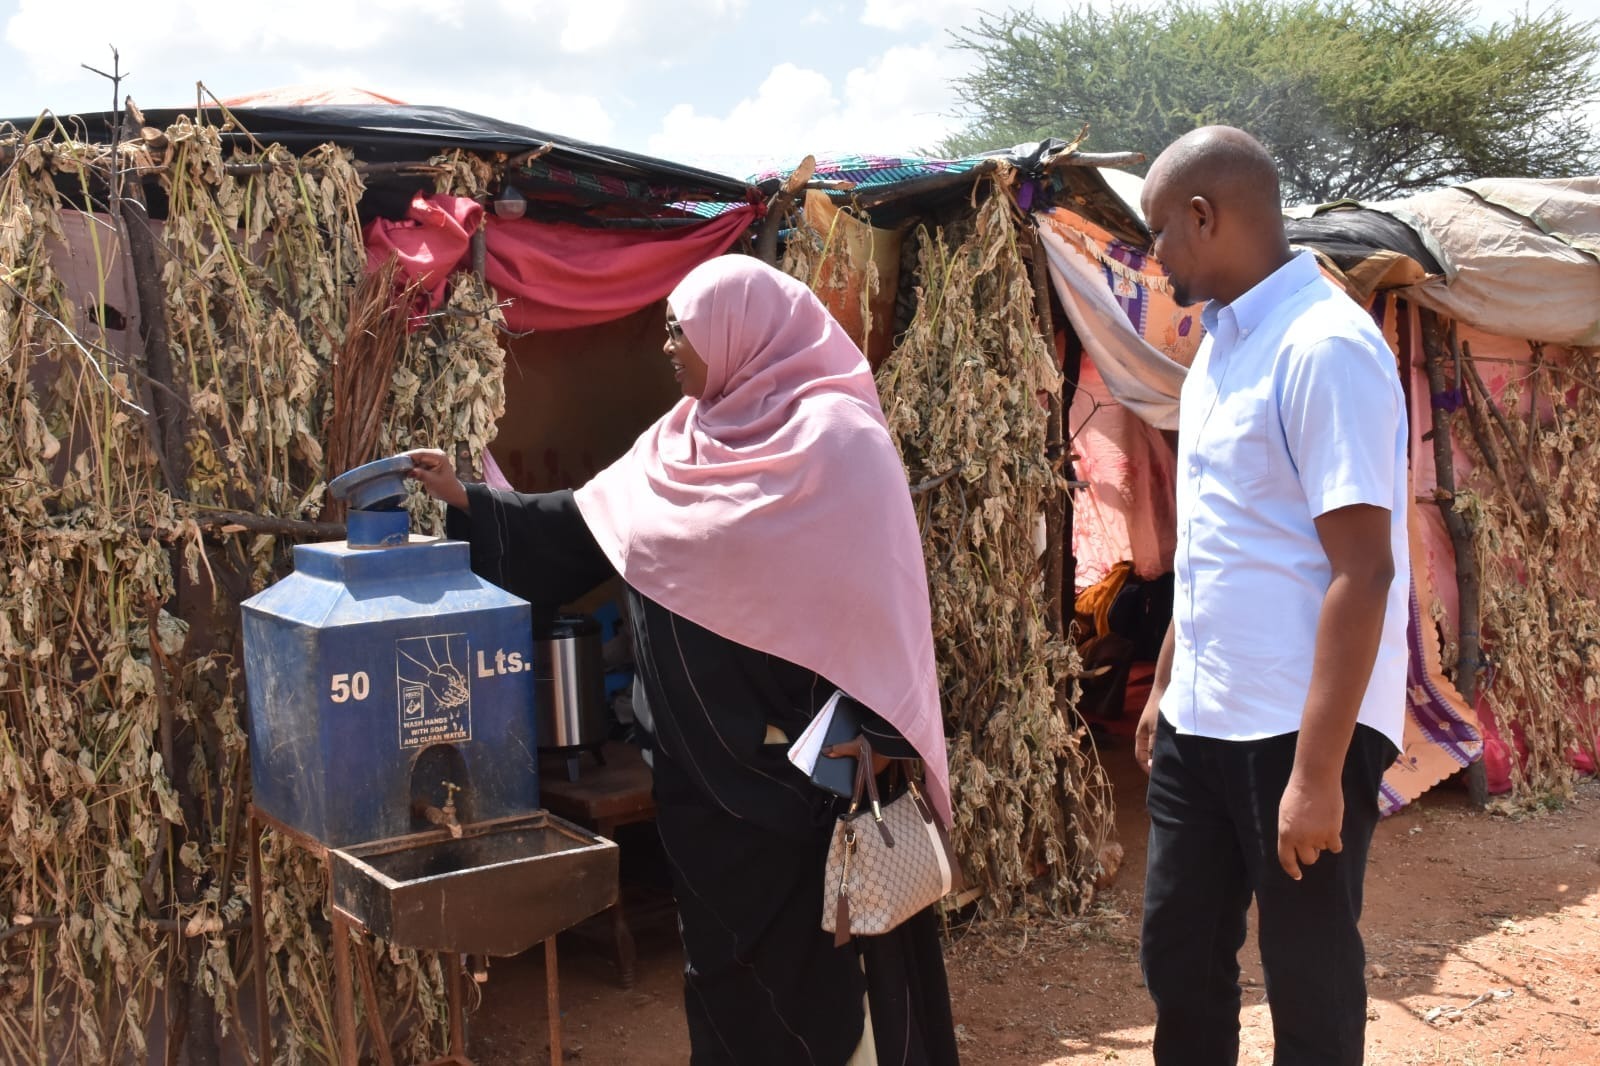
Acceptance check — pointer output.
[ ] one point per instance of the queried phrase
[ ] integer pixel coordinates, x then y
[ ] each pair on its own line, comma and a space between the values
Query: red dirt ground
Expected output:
1483, 944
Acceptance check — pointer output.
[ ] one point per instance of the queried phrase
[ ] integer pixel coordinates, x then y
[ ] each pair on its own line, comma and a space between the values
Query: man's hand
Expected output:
1144, 736
1309, 819
432, 468
1349, 630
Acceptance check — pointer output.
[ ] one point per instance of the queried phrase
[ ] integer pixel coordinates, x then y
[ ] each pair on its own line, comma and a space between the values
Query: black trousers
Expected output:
1213, 845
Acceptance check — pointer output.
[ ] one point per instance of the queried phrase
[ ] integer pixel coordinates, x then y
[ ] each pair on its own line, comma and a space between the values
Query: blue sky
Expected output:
733, 85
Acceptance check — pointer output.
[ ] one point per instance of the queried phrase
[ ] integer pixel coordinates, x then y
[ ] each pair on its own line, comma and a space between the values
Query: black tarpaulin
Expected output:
398, 133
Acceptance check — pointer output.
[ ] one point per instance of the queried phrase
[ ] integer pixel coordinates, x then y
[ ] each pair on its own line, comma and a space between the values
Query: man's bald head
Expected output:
1212, 200
1227, 166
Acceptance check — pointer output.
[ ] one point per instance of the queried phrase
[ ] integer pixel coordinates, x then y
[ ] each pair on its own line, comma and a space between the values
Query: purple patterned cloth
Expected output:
1133, 299
1438, 724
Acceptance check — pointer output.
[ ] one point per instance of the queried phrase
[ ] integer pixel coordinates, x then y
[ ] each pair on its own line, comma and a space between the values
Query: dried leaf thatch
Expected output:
123, 774
1534, 498
963, 391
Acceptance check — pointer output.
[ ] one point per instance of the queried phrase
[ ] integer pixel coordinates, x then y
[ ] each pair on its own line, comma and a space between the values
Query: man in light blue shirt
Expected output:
1280, 689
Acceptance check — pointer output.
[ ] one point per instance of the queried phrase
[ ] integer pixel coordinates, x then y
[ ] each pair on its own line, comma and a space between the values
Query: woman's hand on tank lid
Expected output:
432, 468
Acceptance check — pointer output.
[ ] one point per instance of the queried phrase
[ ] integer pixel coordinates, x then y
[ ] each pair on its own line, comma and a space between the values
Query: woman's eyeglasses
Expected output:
675, 331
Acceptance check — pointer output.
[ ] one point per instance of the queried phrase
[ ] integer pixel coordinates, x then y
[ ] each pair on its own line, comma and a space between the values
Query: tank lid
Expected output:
376, 493
374, 486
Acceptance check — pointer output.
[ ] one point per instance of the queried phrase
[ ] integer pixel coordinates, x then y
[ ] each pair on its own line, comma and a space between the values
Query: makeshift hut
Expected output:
207, 314
1488, 294
936, 268
203, 321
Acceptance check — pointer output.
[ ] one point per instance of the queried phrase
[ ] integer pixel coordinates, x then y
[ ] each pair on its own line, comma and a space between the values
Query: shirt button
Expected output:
1194, 469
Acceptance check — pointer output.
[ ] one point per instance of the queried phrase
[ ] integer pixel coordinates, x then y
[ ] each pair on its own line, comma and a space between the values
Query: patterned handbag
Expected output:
884, 863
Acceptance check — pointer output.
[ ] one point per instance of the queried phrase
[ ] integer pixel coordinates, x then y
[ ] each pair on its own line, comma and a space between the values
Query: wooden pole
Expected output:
480, 252
419, 168
1469, 655
343, 993
1096, 159
1071, 368
1457, 524
465, 468
130, 215
1463, 537
1057, 502
921, 188
225, 522
778, 209
258, 949
552, 999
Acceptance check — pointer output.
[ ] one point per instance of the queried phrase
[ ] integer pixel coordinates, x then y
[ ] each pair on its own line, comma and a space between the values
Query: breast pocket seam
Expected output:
1245, 458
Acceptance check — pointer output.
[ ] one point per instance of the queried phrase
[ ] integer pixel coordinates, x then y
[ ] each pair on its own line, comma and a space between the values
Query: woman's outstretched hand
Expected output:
432, 468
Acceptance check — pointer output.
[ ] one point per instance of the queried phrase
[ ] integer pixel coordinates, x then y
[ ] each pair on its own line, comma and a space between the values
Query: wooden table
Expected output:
604, 797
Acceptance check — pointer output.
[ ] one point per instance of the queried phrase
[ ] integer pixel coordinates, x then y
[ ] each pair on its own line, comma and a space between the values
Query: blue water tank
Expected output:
375, 677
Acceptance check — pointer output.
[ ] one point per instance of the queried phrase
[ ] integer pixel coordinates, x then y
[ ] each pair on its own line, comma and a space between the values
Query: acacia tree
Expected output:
1354, 99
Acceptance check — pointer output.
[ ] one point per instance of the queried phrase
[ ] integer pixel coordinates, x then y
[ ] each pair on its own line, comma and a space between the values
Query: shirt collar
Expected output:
1264, 297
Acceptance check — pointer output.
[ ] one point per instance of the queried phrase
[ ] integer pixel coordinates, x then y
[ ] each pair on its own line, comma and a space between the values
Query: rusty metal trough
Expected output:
499, 888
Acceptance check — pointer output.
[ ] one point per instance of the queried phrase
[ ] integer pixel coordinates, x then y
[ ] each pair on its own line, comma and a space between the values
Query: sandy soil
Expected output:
1483, 943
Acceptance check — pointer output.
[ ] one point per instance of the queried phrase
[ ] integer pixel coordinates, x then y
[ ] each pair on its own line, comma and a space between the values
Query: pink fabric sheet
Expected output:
1128, 512
555, 275
1503, 361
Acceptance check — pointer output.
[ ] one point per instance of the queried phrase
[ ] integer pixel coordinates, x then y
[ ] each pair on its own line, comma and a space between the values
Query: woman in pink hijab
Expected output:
765, 533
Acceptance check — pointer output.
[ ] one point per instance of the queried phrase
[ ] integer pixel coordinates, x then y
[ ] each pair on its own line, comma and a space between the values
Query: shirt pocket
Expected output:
1237, 442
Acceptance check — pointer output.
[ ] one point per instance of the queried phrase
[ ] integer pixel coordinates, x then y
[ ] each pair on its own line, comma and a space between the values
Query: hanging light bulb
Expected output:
510, 203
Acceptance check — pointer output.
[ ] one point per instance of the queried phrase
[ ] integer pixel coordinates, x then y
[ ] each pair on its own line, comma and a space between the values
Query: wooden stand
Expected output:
344, 994
612, 794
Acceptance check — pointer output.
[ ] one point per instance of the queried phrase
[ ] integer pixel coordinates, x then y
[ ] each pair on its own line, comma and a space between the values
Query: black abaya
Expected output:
745, 832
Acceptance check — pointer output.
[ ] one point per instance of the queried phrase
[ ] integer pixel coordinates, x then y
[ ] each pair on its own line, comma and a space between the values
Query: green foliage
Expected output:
1362, 100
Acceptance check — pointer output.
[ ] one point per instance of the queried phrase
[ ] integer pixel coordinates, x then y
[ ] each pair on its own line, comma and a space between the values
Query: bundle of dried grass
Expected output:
964, 392
148, 490
363, 367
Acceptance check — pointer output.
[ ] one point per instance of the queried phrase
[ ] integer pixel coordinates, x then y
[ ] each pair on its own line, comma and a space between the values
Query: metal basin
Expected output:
498, 889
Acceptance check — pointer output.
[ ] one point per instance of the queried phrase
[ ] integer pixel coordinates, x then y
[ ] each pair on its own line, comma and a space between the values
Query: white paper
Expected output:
804, 751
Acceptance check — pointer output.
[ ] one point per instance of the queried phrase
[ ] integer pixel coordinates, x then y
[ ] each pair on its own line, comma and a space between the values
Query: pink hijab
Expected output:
773, 510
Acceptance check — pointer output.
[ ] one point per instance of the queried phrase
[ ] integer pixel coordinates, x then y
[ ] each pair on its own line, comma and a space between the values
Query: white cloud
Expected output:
901, 16
592, 25
905, 16
893, 104
898, 15
586, 27
901, 95
579, 116
786, 102
510, 96
52, 40
578, 49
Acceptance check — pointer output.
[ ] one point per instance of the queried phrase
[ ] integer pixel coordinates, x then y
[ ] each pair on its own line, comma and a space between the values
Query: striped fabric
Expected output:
547, 175
873, 170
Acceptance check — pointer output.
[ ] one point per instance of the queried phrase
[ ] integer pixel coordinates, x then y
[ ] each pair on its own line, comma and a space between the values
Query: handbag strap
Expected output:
866, 783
